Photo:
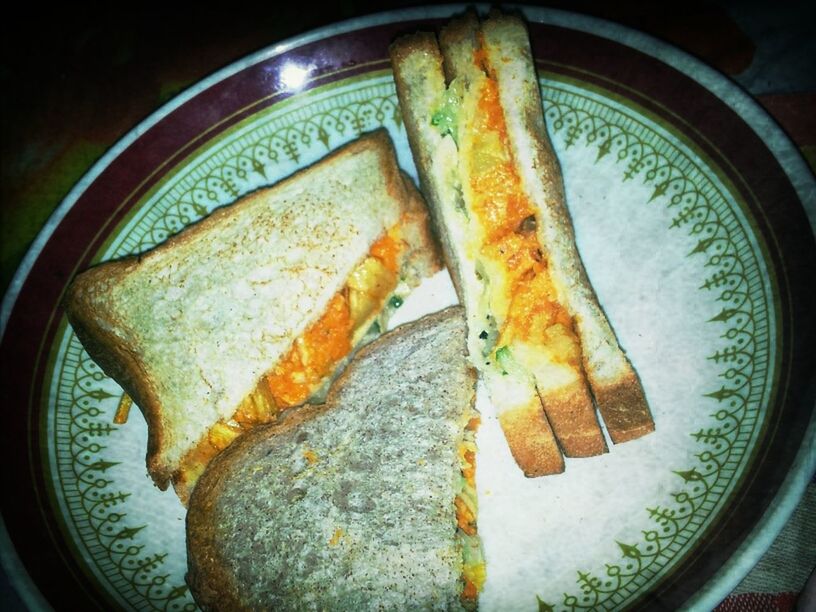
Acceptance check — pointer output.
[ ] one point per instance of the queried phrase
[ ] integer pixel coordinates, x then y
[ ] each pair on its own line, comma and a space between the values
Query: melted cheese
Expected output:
520, 292
313, 358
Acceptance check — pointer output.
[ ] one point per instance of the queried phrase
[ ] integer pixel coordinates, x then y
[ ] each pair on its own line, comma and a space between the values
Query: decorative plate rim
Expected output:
767, 528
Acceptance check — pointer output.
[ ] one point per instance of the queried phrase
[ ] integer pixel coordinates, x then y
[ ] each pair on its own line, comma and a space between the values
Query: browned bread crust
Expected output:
624, 409
531, 441
572, 417
116, 360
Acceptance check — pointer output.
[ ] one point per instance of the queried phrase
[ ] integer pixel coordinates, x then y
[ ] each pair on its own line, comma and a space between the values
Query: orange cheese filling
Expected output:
313, 357
509, 222
470, 592
472, 575
323, 345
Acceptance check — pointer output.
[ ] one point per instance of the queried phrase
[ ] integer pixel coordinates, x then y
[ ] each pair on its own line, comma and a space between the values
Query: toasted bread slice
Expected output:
472, 110
191, 328
353, 504
614, 382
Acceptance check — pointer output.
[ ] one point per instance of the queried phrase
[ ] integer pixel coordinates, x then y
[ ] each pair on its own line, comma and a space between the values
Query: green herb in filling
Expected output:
446, 116
504, 359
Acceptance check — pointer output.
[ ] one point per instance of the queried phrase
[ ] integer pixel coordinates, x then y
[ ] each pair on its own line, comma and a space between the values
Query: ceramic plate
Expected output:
689, 210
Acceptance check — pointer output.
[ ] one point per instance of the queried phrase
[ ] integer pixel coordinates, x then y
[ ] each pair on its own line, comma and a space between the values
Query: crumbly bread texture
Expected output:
189, 328
422, 71
348, 505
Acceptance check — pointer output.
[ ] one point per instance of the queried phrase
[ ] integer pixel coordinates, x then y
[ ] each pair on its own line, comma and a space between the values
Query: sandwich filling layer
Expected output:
314, 357
521, 333
473, 566
348, 505
519, 291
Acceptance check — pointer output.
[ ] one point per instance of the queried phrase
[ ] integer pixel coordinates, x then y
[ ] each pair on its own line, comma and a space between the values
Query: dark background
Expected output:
74, 83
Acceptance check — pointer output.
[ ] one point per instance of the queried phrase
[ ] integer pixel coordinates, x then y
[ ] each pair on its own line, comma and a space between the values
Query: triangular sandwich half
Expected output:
253, 309
537, 333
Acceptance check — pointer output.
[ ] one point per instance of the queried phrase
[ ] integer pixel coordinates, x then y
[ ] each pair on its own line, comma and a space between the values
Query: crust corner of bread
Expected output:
624, 408
571, 413
531, 441
462, 26
407, 44
500, 20
160, 474
378, 141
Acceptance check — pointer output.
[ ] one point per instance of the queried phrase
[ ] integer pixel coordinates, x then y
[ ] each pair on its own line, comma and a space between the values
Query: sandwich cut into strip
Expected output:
536, 332
367, 502
255, 308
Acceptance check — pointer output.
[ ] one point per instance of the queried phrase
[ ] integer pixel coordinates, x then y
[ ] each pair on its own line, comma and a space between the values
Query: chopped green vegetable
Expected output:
490, 335
504, 359
445, 117
459, 202
395, 302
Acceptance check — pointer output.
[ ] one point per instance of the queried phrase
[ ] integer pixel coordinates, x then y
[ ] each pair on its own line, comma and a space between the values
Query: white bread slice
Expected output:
420, 69
349, 505
614, 383
189, 328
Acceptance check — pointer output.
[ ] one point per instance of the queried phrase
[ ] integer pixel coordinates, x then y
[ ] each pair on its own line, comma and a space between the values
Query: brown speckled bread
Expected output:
442, 88
349, 505
189, 328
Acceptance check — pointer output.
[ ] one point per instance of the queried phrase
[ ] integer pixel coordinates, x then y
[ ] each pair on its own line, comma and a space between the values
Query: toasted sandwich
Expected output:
472, 109
366, 502
254, 309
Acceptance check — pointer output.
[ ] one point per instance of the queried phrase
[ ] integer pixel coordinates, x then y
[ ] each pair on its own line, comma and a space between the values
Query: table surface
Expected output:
78, 83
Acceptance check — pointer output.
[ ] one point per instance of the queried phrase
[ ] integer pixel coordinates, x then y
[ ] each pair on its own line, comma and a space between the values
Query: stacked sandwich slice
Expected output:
472, 109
